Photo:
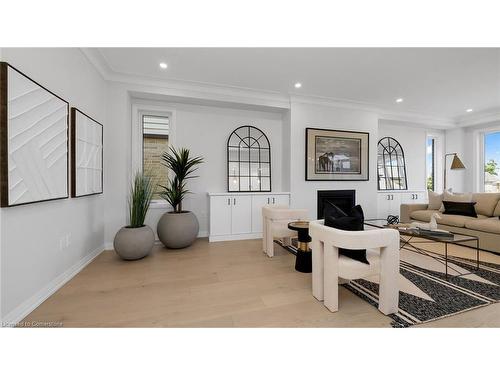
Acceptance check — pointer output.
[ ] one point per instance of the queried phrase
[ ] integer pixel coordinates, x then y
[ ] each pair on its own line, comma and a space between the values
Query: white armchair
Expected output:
275, 221
329, 268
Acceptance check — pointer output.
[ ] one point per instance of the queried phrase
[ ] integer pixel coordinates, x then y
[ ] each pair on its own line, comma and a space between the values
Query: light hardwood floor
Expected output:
224, 284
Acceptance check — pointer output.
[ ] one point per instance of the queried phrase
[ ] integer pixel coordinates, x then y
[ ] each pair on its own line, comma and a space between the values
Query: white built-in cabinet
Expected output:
389, 202
236, 216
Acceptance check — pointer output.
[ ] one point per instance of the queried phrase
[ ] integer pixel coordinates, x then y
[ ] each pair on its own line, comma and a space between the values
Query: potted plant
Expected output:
136, 240
178, 228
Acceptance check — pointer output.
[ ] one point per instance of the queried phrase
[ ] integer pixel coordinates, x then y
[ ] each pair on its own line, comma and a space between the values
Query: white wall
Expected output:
304, 115
117, 141
456, 142
286, 151
202, 129
31, 259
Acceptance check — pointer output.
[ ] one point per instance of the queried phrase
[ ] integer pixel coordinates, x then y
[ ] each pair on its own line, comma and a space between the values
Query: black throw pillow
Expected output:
459, 208
354, 220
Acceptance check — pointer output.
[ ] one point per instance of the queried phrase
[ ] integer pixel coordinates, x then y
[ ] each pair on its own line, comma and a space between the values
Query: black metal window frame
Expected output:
246, 139
390, 150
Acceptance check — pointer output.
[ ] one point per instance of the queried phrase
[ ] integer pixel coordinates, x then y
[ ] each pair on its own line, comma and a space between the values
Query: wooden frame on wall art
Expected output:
86, 155
34, 141
336, 155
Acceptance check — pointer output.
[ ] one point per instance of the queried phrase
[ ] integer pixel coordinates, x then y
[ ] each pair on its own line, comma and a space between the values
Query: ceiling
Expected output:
440, 82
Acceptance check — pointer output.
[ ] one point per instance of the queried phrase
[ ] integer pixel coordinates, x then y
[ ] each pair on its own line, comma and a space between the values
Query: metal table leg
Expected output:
477, 254
446, 258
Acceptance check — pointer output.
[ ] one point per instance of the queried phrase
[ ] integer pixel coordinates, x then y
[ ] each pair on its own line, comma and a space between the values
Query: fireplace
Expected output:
343, 199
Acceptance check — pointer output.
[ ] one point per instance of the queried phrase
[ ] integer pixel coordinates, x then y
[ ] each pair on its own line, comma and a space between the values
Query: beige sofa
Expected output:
486, 226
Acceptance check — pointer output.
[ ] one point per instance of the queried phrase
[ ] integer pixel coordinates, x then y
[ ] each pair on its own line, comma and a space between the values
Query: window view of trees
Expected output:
430, 183
491, 167
430, 164
491, 161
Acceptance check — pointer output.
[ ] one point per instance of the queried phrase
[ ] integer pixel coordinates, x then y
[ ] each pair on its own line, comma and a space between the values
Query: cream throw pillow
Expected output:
435, 200
455, 197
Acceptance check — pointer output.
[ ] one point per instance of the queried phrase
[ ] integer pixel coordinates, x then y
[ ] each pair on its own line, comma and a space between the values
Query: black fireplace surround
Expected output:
343, 199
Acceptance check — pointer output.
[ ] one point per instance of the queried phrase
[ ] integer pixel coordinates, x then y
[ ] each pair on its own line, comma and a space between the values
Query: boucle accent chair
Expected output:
329, 268
275, 219
486, 226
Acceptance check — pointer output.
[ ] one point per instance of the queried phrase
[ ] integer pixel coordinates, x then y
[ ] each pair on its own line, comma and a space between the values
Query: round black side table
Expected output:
303, 262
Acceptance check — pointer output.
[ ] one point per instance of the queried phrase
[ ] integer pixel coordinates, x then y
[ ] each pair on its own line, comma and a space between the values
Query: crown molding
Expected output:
98, 61
187, 89
482, 117
231, 94
182, 92
388, 114
417, 119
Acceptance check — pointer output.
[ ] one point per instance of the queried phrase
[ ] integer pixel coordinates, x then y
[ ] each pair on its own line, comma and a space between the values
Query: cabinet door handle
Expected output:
388, 197
234, 201
228, 201
267, 200
392, 197
273, 200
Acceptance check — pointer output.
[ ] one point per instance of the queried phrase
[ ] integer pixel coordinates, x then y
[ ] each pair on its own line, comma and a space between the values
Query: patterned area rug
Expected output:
425, 294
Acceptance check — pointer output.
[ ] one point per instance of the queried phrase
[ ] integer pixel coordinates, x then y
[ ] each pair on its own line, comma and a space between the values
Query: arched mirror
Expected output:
391, 167
248, 160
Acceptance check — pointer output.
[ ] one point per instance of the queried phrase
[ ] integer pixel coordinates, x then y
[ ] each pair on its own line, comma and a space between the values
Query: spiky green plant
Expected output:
183, 166
141, 193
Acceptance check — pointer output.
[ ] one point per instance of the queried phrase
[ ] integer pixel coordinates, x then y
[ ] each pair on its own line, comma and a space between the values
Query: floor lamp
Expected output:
455, 164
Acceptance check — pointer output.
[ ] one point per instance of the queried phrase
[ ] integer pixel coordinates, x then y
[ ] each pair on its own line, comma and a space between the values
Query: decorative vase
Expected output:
178, 230
134, 243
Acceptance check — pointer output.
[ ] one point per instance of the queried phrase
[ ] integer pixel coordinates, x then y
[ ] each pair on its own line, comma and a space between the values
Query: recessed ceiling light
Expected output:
469, 110
163, 65
399, 100
298, 85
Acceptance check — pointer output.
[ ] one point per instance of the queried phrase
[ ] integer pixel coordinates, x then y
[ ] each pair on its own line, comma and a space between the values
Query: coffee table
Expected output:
413, 238
303, 262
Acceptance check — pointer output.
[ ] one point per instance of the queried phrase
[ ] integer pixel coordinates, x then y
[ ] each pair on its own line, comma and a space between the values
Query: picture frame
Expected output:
34, 141
336, 155
86, 155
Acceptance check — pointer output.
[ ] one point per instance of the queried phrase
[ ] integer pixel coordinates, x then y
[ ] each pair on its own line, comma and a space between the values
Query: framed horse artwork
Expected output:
336, 155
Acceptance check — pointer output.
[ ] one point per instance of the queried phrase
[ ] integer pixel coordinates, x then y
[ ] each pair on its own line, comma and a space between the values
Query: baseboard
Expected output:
109, 245
20, 312
235, 237
203, 234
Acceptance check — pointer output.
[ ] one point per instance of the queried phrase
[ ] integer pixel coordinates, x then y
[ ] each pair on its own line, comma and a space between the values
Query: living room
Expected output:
250, 187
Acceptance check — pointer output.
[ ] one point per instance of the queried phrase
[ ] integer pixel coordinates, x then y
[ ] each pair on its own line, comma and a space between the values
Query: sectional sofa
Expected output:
486, 226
